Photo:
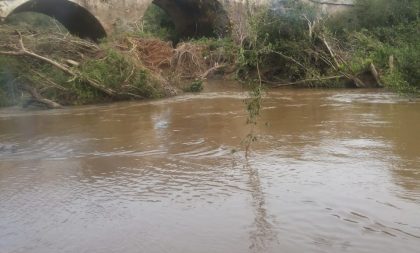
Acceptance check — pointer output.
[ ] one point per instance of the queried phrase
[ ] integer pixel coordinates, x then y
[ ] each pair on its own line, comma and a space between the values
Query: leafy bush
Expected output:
195, 86
117, 72
379, 29
217, 50
278, 43
370, 14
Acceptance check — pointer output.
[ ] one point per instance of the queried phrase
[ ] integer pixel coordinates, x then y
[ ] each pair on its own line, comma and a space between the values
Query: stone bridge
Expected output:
98, 18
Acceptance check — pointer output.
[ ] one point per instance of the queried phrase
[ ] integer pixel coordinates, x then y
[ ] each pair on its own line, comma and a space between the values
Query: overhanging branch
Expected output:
331, 3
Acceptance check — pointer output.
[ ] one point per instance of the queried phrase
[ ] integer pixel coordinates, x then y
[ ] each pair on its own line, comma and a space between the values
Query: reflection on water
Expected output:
333, 171
263, 232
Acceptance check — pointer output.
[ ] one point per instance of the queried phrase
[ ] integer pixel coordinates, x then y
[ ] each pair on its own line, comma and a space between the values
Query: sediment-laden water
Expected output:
333, 171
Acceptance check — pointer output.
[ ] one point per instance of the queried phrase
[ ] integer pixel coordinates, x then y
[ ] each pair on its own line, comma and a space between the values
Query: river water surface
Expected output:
333, 171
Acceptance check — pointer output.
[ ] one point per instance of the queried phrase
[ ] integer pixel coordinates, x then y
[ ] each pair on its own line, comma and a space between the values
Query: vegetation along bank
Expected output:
375, 43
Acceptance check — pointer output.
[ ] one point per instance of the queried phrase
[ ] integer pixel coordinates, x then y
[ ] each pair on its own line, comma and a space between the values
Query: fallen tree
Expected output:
70, 70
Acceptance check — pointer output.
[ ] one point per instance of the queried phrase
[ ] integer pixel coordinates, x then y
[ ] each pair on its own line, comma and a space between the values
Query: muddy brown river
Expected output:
333, 171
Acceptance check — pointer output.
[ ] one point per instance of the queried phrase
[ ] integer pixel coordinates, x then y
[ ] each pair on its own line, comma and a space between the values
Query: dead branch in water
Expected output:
36, 97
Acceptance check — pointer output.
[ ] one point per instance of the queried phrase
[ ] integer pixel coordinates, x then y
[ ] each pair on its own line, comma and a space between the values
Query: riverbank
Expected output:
54, 69
46, 66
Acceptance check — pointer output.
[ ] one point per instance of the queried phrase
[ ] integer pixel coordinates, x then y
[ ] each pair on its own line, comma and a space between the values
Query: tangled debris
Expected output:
154, 54
55, 68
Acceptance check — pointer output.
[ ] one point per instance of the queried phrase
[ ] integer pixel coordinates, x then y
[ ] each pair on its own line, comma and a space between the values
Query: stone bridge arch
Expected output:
197, 18
97, 18
78, 19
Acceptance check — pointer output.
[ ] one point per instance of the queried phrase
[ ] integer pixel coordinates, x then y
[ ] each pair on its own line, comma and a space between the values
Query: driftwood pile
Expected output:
67, 53
154, 54
186, 61
63, 51
169, 65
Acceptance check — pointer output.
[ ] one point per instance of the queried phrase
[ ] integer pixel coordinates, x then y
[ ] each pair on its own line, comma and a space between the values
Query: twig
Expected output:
291, 59
375, 74
211, 70
49, 81
359, 83
331, 3
130, 75
331, 52
304, 81
391, 63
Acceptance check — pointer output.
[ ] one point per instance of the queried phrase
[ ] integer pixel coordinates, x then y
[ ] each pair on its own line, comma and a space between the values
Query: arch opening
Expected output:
192, 19
76, 19
157, 23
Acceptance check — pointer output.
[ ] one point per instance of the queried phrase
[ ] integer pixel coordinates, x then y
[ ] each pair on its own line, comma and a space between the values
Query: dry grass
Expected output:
154, 54
188, 61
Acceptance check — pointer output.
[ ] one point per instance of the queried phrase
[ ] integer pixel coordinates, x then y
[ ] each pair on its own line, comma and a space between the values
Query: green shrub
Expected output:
369, 14
117, 72
277, 34
195, 86
374, 31
402, 42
